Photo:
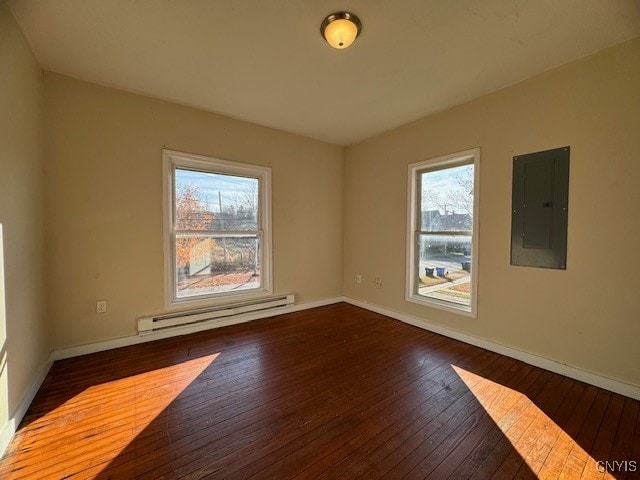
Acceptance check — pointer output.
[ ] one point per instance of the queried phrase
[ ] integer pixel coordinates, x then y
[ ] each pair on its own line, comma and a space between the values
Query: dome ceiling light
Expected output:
340, 29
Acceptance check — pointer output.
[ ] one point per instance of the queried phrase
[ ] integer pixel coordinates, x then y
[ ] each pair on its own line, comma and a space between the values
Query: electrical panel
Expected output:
540, 203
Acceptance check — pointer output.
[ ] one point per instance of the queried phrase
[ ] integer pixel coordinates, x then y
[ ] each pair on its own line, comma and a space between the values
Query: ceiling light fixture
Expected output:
340, 29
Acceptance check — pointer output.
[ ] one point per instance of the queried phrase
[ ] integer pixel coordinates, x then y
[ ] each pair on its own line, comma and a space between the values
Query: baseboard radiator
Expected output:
240, 311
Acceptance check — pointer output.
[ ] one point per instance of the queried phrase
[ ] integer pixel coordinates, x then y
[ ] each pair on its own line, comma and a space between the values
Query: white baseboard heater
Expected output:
223, 314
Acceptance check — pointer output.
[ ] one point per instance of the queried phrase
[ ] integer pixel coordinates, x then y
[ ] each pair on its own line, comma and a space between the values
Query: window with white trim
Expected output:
217, 228
442, 241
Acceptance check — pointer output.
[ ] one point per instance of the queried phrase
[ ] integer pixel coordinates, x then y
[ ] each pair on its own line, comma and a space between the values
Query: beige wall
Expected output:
587, 316
104, 210
104, 197
23, 333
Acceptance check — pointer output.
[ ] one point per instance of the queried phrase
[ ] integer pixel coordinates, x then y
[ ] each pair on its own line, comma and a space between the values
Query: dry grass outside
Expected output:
450, 292
231, 278
462, 287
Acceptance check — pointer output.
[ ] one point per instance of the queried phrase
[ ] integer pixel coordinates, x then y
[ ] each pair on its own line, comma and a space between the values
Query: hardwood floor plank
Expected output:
545, 431
351, 462
333, 392
621, 450
405, 408
330, 408
551, 440
604, 439
300, 405
441, 434
528, 432
233, 402
562, 449
635, 452
495, 447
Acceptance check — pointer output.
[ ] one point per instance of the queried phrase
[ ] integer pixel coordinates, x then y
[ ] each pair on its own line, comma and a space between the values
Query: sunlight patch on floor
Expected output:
83, 419
547, 450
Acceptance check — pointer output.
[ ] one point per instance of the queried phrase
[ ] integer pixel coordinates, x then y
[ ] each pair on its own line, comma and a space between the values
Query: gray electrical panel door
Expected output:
540, 201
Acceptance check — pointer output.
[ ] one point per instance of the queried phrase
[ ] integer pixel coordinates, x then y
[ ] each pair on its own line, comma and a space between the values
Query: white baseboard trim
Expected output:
617, 386
9, 429
183, 330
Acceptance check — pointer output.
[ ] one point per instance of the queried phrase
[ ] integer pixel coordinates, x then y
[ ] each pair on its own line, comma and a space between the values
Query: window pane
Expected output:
446, 200
213, 201
208, 264
444, 268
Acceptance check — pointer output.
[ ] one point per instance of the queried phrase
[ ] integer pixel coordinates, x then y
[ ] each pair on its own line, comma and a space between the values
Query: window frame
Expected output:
172, 159
414, 188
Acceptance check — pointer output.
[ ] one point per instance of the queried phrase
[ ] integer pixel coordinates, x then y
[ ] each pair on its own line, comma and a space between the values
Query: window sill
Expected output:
467, 311
217, 300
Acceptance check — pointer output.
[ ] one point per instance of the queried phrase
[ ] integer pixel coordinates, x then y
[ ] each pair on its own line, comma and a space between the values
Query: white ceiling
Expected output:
265, 62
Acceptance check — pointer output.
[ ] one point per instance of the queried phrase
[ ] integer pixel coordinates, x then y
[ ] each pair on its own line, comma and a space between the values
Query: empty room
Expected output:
312, 240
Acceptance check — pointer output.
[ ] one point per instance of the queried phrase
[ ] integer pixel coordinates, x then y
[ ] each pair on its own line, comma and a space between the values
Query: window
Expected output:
442, 241
217, 235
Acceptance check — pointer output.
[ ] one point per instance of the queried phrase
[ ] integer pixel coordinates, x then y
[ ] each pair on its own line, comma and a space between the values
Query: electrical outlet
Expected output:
377, 282
101, 306
358, 278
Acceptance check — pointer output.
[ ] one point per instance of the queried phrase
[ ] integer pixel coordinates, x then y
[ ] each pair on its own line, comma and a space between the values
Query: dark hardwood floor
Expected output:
333, 392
